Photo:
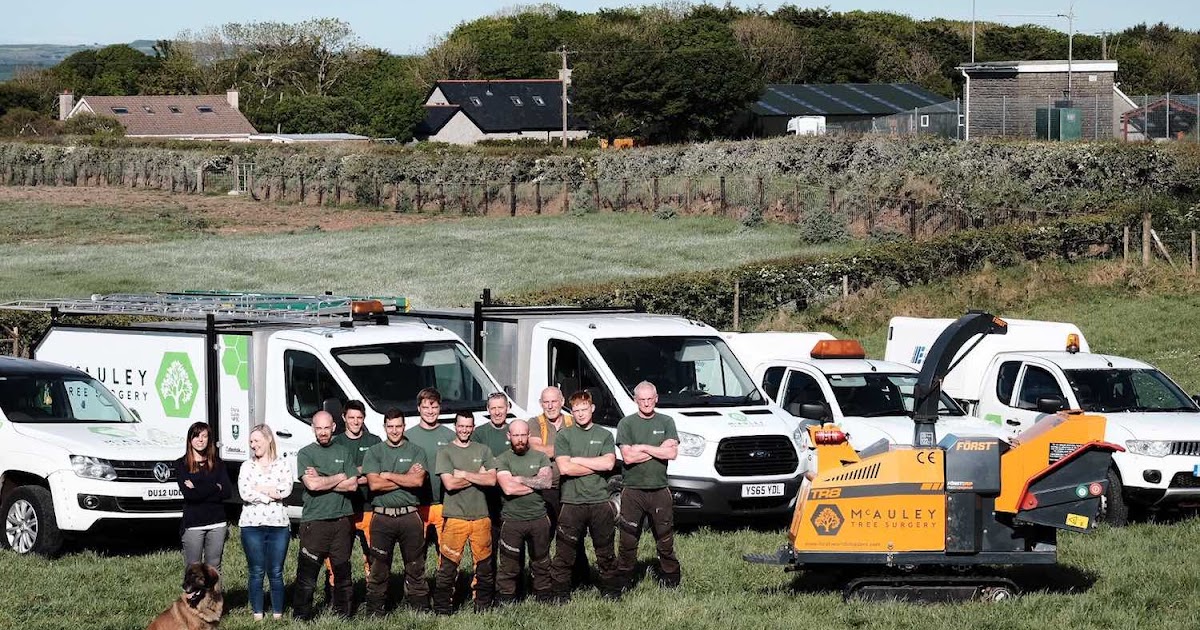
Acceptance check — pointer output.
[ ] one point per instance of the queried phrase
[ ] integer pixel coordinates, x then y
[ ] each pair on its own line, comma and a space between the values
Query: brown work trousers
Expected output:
574, 522
657, 507
513, 537
407, 531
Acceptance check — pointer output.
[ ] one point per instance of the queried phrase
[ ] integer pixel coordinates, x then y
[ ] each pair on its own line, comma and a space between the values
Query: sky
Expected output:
407, 26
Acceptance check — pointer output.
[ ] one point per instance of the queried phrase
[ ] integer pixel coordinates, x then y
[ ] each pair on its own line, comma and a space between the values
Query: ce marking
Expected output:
927, 457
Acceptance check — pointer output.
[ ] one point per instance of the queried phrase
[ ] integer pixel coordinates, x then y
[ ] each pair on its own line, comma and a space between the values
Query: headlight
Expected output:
93, 468
800, 437
1152, 448
690, 444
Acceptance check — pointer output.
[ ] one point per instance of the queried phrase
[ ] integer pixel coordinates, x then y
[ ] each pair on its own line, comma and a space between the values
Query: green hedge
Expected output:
765, 287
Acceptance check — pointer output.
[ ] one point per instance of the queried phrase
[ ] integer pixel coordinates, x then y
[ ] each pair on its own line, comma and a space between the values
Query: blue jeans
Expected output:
266, 548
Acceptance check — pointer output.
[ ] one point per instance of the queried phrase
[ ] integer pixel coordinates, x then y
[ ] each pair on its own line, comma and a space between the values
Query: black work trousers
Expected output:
579, 570
574, 522
387, 532
657, 507
514, 535
319, 540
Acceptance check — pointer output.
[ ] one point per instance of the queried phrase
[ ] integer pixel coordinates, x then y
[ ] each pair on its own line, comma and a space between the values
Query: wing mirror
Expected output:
1051, 404
808, 411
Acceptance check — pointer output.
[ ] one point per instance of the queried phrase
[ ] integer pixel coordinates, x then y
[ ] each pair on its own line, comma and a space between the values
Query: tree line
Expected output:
666, 73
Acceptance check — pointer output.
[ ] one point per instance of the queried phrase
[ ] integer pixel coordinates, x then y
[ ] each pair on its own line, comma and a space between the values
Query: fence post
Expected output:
465, 189
654, 192
566, 196
762, 195
737, 303
687, 197
724, 201
200, 180
1167, 133
1125, 247
1193, 252
419, 199
1145, 239
912, 220
596, 193
796, 199
624, 194
512, 197
845, 286
487, 198
442, 197
537, 197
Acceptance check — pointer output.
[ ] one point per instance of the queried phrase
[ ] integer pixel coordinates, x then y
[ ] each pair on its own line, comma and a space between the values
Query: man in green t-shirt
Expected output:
648, 441
357, 439
465, 468
585, 457
522, 475
431, 437
329, 477
396, 470
494, 434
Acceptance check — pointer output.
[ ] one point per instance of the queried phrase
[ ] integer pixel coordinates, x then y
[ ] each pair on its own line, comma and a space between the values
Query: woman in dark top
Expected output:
205, 485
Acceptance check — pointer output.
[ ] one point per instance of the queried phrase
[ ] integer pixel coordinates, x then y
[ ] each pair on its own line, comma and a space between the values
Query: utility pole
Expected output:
1070, 15
565, 78
972, 31
1104, 45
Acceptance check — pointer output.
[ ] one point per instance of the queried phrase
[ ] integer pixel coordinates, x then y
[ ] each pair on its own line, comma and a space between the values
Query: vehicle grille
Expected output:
141, 471
751, 456
138, 504
1185, 480
1185, 448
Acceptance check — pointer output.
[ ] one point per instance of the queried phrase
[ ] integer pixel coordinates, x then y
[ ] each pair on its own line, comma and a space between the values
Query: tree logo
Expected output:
827, 520
176, 384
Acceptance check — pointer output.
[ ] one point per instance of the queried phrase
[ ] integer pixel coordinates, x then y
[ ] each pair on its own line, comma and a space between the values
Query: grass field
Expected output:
434, 262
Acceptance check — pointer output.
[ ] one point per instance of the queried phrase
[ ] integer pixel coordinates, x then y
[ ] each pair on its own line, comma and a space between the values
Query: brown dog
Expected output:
200, 605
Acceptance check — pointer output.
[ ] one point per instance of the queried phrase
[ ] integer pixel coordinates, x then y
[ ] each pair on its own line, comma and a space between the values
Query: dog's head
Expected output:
199, 580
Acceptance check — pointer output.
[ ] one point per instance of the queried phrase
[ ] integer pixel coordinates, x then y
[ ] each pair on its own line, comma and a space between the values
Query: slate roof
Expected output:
436, 117
170, 115
502, 106
842, 99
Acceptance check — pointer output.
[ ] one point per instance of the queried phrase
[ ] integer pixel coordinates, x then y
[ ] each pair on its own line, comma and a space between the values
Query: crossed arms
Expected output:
638, 453
460, 479
386, 481
316, 482
516, 485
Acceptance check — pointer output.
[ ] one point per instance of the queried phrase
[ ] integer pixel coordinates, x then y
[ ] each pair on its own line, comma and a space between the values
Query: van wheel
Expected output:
29, 525
1114, 510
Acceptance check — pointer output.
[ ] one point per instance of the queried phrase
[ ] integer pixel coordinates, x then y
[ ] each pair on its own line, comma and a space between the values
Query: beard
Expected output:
520, 449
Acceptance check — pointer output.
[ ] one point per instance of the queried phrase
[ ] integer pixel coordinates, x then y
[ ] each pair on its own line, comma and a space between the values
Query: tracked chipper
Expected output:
931, 521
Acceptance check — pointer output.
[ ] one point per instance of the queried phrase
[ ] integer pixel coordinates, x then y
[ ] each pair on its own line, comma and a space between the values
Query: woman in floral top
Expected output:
264, 482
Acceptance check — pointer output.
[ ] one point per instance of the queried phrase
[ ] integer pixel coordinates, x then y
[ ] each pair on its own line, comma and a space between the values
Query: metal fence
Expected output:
1159, 117
942, 119
1154, 117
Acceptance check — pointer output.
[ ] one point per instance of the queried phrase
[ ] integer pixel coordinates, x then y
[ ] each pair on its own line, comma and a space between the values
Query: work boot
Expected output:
669, 580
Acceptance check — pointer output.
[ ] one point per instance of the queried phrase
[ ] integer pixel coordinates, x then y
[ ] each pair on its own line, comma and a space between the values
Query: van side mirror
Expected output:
136, 416
1196, 399
1051, 404
808, 411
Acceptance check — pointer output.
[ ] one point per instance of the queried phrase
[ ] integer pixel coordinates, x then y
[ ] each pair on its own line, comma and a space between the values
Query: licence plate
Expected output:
163, 494
762, 490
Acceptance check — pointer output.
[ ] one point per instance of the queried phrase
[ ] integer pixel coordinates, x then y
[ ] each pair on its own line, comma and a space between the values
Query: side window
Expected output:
1007, 380
308, 384
571, 371
88, 404
772, 379
801, 389
1038, 382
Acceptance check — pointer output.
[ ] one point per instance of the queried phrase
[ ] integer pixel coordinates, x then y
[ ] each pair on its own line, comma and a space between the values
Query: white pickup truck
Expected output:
1039, 368
739, 455
816, 377
73, 458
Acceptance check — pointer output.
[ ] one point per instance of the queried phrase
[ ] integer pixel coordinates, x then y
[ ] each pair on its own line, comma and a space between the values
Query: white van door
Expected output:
801, 388
1031, 383
299, 385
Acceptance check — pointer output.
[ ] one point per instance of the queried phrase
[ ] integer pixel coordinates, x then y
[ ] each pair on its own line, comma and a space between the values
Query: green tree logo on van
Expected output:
176, 384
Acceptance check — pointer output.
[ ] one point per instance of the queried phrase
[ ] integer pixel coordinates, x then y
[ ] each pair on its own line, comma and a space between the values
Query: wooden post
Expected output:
442, 197
912, 220
487, 198
654, 192
762, 195
1193, 252
200, 180
1145, 239
420, 201
464, 196
845, 286
596, 193
1125, 247
512, 197
1162, 249
724, 201
737, 303
624, 194
687, 197
566, 196
537, 197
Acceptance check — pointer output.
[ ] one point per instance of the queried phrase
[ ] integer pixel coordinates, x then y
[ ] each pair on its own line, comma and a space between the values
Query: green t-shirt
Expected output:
328, 460
469, 503
526, 507
358, 450
384, 457
634, 429
493, 438
431, 441
577, 441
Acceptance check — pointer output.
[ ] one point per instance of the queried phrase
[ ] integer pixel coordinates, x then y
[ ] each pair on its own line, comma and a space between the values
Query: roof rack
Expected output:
222, 305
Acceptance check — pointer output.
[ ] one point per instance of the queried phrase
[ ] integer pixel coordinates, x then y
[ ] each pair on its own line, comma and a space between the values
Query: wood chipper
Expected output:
923, 522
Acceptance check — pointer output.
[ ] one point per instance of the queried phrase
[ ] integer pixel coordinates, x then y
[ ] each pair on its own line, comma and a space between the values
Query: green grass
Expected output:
436, 263
1142, 576
38, 224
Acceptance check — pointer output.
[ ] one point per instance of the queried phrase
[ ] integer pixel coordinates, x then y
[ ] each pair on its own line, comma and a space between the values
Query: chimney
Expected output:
231, 95
66, 102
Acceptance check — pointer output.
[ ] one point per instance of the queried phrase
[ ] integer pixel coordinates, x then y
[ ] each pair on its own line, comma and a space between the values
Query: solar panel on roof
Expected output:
924, 98
795, 99
877, 99
838, 100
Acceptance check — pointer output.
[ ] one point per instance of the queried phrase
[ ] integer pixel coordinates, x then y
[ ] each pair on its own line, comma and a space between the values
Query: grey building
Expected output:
1002, 98
845, 106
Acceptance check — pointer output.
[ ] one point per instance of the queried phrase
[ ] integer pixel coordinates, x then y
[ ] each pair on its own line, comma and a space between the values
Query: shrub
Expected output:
84, 124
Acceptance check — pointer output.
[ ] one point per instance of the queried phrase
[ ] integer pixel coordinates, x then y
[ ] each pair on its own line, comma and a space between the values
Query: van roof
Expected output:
631, 325
16, 366
1084, 360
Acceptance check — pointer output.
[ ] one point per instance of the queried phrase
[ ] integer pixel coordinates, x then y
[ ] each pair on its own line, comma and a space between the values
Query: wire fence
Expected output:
1155, 117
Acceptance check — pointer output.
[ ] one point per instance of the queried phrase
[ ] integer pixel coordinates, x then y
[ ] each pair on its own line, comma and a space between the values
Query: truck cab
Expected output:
73, 457
1013, 385
815, 377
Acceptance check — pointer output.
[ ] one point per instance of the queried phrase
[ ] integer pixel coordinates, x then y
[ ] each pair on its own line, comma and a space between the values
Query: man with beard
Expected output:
465, 468
523, 474
329, 477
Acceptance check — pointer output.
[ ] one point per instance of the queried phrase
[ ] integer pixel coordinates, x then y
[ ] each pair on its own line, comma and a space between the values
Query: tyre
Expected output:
29, 525
1115, 509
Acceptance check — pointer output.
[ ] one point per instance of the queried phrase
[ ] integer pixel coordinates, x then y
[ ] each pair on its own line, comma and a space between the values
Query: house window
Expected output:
476, 102
516, 100
539, 101
174, 109
120, 110
204, 109
924, 120
148, 109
